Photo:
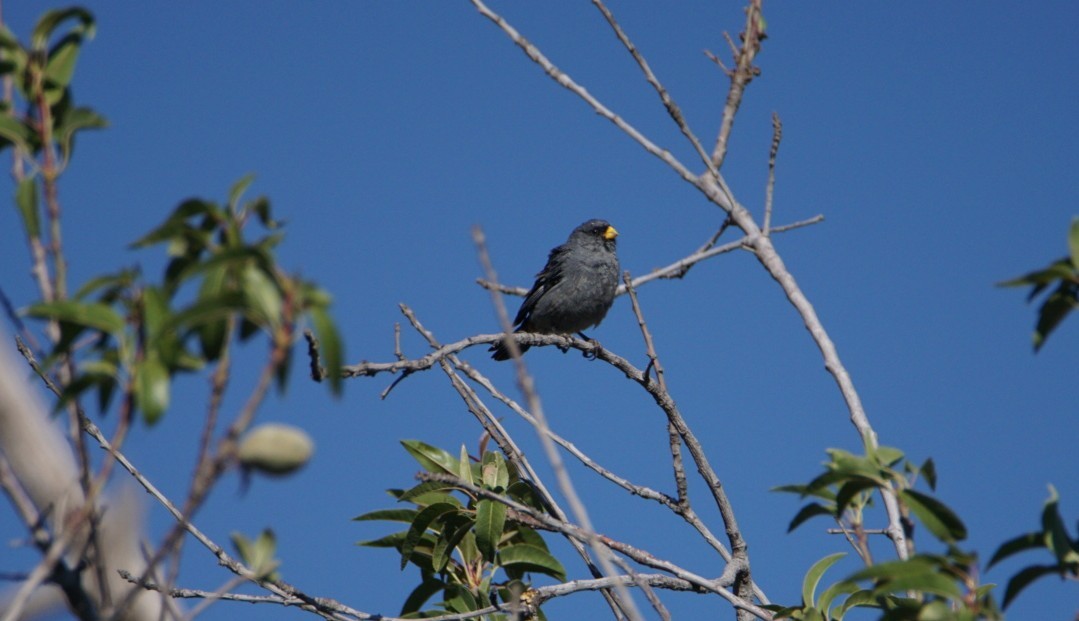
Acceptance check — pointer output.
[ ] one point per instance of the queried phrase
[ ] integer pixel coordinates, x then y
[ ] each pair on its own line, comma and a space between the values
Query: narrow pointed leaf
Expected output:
448, 542
419, 595
811, 510
935, 516
419, 528
16, 132
532, 559
432, 458
929, 472
1023, 579
813, 576
237, 190
490, 520
390, 515
495, 474
1073, 242
48, 22
26, 199
1028, 541
86, 314
1053, 311
331, 346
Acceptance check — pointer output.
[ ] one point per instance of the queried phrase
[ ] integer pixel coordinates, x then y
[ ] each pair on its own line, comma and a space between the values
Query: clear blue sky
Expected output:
938, 140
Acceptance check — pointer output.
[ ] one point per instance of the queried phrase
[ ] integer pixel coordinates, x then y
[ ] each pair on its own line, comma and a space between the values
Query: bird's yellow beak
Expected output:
610, 233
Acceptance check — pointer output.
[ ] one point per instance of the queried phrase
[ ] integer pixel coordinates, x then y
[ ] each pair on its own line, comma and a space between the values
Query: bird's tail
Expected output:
501, 352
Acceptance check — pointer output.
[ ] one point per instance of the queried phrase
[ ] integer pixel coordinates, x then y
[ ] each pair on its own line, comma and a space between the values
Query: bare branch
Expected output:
565, 81
777, 136
743, 73
668, 102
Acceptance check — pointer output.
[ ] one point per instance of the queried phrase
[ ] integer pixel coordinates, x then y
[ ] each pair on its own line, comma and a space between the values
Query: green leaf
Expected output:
73, 121
887, 455
849, 490
389, 515
212, 337
263, 298
39, 39
331, 346
258, 555
917, 573
490, 520
821, 492
1056, 536
237, 190
27, 200
813, 576
1055, 308
465, 463
858, 599
419, 528
16, 132
151, 388
1029, 541
423, 592
432, 458
532, 558
1023, 579
811, 510
450, 539
389, 541
176, 223
205, 311
60, 67
824, 603
935, 515
929, 472
1073, 242
495, 475
112, 284
261, 208
1061, 268
86, 314
462, 600
428, 493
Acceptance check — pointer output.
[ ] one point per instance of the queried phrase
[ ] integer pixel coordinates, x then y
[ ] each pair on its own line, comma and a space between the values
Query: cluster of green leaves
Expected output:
134, 335
258, 554
1064, 274
923, 587
464, 545
42, 74
1053, 537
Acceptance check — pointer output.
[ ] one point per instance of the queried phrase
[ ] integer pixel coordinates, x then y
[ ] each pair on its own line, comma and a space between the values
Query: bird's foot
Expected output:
593, 353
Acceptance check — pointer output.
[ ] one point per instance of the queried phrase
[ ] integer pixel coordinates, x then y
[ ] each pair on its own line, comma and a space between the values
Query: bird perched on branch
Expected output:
574, 290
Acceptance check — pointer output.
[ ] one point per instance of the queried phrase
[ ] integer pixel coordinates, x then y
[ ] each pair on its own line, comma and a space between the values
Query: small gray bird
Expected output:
574, 290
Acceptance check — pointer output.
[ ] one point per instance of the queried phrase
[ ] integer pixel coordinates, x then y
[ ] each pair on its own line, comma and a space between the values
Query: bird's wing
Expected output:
549, 276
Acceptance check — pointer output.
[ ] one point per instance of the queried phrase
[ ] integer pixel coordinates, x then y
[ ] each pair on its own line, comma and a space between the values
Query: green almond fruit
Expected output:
275, 449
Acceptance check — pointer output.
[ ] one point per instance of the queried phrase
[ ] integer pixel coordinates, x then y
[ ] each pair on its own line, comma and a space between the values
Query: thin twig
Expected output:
769, 190
566, 82
668, 102
743, 73
653, 363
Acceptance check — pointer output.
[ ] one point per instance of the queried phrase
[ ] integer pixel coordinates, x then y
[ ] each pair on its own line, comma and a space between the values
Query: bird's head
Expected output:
600, 230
